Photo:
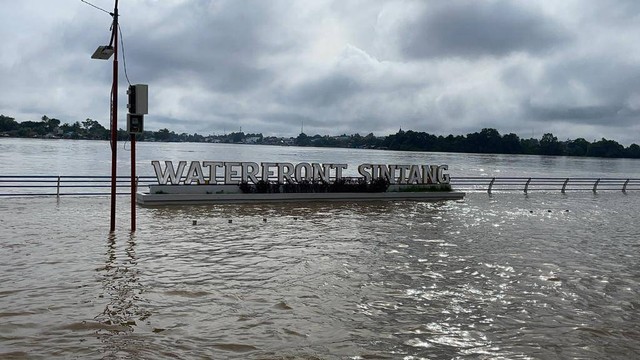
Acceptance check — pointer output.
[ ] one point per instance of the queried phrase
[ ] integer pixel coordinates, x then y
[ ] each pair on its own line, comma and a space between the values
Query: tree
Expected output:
606, 148
94, 130
371, 141
356, 140
486, 141
162, 134
302, 140
50, 124
8, 123
236, 137
549, 145
530, 146
511, 144
577, 147
33, 128
633, 151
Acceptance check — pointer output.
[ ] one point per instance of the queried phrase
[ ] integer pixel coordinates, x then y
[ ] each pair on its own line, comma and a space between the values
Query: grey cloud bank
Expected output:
444, 67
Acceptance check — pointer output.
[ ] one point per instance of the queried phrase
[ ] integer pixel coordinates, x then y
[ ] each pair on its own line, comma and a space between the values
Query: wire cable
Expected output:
99, 8
124, 58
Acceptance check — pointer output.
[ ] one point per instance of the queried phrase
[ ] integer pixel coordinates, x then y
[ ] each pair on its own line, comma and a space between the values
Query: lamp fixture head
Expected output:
103, 52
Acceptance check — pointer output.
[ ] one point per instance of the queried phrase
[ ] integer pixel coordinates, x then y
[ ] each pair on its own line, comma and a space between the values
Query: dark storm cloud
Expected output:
472, 28
607, 78
290, 119
214, 43
592, 91
325, 91
611, 115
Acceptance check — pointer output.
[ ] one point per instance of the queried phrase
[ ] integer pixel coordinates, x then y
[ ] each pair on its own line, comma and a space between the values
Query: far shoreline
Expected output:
315, 147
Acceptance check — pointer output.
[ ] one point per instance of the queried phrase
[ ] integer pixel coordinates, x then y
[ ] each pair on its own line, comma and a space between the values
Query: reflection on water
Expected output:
125, 309
506, 276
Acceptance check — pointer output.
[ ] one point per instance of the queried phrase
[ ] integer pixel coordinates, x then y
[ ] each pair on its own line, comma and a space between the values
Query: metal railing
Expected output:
53, 185
44, 185
529, 184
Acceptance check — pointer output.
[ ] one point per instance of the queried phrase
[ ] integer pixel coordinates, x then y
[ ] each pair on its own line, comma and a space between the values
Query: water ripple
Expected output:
500, 277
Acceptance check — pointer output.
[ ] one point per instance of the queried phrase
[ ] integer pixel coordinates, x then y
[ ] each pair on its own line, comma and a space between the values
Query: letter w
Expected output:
169, 174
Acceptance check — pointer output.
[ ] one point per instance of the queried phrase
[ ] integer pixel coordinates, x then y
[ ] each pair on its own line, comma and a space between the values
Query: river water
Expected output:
514, 276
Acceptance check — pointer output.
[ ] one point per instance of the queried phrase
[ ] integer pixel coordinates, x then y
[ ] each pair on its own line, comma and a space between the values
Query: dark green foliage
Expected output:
549, 145
262, 187
303, 140
236, 137
342, 185
245, 187
426, 188
578, 147
7, 123
379, 185
606, 148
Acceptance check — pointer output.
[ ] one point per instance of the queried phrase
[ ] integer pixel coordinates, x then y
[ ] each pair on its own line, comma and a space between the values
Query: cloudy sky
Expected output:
569, 67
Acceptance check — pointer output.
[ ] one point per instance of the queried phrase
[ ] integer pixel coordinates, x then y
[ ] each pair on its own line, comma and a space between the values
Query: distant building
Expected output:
251, 140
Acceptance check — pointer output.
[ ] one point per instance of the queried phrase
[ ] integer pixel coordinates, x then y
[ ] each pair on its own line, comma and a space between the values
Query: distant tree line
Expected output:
53, 128
486, 141
88, 129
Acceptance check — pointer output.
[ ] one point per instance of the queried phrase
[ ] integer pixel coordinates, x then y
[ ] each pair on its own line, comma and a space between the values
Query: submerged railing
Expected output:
53, 185
43, 185
529, 184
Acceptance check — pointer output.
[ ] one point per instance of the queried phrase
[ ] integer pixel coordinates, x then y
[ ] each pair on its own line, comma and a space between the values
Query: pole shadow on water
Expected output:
121, 290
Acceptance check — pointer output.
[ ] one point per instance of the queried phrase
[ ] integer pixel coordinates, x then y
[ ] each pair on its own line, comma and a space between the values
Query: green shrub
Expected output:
426, 188
338, 186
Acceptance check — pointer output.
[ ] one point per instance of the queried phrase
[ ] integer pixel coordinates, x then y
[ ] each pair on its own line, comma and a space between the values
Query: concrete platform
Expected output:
155, 199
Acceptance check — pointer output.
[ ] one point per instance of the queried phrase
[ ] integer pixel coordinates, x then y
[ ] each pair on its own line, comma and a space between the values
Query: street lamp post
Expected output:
104, 53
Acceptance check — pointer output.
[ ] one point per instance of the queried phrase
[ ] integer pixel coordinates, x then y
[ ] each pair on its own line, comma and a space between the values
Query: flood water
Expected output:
542, 276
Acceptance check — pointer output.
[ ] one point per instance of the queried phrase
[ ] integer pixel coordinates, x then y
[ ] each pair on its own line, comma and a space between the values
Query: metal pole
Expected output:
133, 182
114, 118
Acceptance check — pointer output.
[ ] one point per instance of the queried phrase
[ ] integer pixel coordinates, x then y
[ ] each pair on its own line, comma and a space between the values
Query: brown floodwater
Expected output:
508, 276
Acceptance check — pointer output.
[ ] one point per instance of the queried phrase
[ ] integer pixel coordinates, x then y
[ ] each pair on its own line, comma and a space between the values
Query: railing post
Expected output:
624, 187
491, 185
58, 188
595, 186
526, 186
564, 186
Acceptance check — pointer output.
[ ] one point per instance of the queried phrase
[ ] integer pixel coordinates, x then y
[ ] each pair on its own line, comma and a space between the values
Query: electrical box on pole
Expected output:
138, 106
135, 123
138, 99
